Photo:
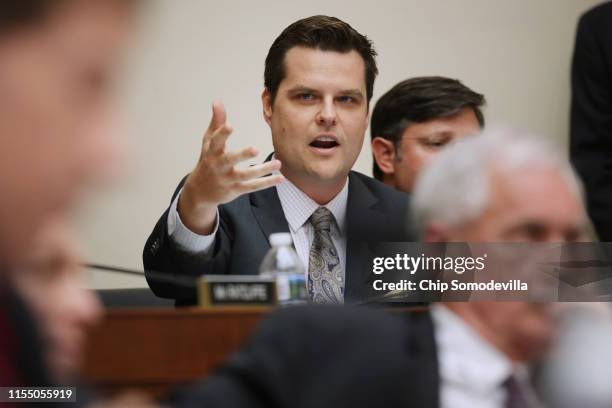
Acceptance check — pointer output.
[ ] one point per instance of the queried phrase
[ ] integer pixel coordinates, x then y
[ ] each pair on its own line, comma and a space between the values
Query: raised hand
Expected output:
216, 180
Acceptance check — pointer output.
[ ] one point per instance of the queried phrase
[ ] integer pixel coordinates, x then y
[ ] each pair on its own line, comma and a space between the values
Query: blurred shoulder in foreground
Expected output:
327, 356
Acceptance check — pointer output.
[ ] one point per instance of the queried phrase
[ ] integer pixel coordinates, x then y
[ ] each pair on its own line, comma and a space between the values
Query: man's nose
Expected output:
327, 115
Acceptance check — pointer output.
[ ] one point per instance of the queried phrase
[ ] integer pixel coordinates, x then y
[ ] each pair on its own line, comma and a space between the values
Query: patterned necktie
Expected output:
515, 394
324, 270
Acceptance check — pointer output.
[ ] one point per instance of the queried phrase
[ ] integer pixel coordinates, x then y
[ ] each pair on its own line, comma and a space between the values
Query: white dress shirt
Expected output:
298, 208
472, 371
186, 240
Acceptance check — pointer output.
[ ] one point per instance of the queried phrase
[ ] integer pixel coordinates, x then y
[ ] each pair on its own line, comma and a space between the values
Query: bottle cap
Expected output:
280, 238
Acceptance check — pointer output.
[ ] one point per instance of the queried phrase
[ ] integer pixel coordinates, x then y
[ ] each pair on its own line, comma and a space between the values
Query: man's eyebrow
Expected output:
437, 133
531, 224
347, 92
443, 133
352, 92
433, 135
300, 88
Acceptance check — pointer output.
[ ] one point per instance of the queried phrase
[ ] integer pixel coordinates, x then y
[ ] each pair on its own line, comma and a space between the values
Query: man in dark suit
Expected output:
496, 188
319, 77
591, 114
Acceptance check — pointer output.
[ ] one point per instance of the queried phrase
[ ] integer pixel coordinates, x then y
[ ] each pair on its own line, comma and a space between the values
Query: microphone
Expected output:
186, 281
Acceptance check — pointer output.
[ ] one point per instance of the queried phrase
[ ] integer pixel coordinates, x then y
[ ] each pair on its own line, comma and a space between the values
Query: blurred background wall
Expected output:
188, 53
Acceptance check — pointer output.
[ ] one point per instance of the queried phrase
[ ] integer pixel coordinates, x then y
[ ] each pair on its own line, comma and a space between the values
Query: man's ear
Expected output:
266, 101
384, 154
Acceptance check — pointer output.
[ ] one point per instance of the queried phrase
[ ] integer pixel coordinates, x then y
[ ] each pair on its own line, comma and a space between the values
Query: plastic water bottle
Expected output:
283, 263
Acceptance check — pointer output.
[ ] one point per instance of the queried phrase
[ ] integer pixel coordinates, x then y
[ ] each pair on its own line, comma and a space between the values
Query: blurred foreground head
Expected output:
57, 61
51, 282
501, 187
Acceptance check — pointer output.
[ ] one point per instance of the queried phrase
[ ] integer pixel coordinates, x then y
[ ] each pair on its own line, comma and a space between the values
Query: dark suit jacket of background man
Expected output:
591, 114
375, 212
328, 356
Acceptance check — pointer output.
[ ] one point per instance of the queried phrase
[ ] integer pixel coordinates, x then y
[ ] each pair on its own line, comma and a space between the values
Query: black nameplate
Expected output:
235, 290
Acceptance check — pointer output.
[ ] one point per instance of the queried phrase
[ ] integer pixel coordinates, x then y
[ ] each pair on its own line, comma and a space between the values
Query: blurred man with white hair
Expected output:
502, 187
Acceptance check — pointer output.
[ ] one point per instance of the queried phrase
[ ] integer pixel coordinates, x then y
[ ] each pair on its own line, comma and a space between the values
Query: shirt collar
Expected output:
298, 207
465, 358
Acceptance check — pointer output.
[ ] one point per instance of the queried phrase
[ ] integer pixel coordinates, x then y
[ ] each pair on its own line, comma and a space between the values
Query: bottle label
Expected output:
291, 289
283, 288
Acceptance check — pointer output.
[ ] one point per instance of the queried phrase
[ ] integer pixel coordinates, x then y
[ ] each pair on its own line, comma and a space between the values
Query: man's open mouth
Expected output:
324, 142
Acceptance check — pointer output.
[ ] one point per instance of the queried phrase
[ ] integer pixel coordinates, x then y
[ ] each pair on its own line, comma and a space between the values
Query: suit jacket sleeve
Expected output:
591, 114
160, 255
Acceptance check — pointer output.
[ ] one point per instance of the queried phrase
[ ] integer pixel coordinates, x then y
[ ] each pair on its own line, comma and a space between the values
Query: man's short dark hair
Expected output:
418, 100
319, 32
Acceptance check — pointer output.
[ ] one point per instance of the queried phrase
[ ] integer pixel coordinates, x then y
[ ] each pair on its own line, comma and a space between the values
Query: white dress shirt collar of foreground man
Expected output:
319, 78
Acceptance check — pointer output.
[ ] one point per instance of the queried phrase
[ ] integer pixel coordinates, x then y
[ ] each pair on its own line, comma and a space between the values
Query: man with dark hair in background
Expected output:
414, 120
319, 78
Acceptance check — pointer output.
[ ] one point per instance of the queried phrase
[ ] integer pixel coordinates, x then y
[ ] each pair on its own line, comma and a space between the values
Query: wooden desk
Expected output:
155, 349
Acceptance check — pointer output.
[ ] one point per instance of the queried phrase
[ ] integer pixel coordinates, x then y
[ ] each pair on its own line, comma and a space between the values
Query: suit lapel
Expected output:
360, 213
268, 211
